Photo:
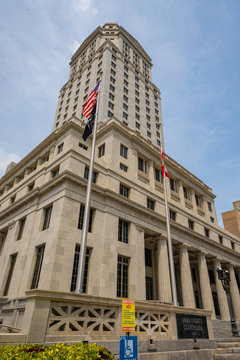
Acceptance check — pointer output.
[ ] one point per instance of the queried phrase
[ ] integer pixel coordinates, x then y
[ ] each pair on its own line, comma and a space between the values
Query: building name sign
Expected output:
191, 326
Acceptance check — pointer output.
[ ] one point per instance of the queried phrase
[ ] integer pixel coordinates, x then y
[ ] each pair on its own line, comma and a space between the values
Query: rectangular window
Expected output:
111, 87
55, 172
142, 165
123, 167
149, 134
125, 106
137, 125
125, 82
123, 231
148, 125
158, 175
137, 108
173, 186
148, 257
31, 187
75, 269
123, 190
84, 147
125, 116
113, 65
47, 217
81, 217
220, 238
150, 204
113, 72
110, 105
209, 206
38, 266
122, 276
86, 174
137, 101
149, 288
125, 98
111, 96
186, 193
21, 227
123, 151
211, 219
126, 76
206, 231
233, 245
60, 148
110, 114
112, 80
101, 150
10, 273
125, 90
172, 215
137, 116
198, 200
190, 224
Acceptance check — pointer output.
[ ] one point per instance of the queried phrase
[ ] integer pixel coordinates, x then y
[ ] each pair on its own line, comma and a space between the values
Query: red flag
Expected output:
164, 170
91, 100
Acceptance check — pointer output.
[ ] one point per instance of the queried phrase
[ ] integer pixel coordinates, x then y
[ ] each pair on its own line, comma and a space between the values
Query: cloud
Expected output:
5, 159
84, 6
74, 46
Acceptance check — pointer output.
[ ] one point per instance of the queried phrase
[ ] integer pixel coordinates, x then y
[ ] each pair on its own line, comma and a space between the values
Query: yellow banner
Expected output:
128, 315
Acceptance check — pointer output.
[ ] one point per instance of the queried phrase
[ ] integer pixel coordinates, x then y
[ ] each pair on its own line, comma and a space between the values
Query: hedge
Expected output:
78, 351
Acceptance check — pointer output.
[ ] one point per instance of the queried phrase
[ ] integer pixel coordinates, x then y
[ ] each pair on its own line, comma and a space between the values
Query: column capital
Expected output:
201, 253
134, 151
139, 227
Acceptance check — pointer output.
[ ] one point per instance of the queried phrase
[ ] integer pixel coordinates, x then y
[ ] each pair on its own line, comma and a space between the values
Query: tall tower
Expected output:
128, 93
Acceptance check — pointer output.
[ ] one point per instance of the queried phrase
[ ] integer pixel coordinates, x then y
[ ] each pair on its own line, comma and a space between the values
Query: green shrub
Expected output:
78, 351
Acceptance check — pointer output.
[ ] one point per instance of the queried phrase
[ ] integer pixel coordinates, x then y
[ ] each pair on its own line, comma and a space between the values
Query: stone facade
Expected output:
42, 202
231, 219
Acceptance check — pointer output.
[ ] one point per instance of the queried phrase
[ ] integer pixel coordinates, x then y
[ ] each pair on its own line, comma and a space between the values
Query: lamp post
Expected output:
224, 276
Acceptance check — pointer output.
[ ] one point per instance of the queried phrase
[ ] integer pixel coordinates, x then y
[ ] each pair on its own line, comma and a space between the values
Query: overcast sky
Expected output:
195, 49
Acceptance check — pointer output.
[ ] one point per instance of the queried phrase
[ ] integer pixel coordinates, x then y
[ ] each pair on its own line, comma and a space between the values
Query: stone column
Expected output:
186, 278
234, 293
221, 294
164, 281
151, 174
140, 275
206, 292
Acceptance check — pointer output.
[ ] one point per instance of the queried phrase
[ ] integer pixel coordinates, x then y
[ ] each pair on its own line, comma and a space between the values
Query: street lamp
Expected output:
224, 276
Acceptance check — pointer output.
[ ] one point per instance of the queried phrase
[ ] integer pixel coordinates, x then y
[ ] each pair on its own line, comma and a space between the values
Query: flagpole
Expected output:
170, 250
169, 239
82, 256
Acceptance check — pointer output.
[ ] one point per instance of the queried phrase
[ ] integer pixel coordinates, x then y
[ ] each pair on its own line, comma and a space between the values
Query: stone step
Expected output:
227, 350
228, 344
226, 357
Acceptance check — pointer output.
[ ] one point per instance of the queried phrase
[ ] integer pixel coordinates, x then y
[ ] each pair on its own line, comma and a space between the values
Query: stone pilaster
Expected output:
140, 275
206, 292
221, 294
234, 293
164, 281
151, 174
186, 278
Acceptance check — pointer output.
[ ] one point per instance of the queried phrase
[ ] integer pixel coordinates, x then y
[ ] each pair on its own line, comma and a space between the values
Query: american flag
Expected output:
91, 100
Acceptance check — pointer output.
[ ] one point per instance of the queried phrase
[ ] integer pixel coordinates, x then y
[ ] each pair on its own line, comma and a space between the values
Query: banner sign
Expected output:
128, 315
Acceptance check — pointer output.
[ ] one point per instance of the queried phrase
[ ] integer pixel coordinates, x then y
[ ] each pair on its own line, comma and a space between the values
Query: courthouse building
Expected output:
42, 201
